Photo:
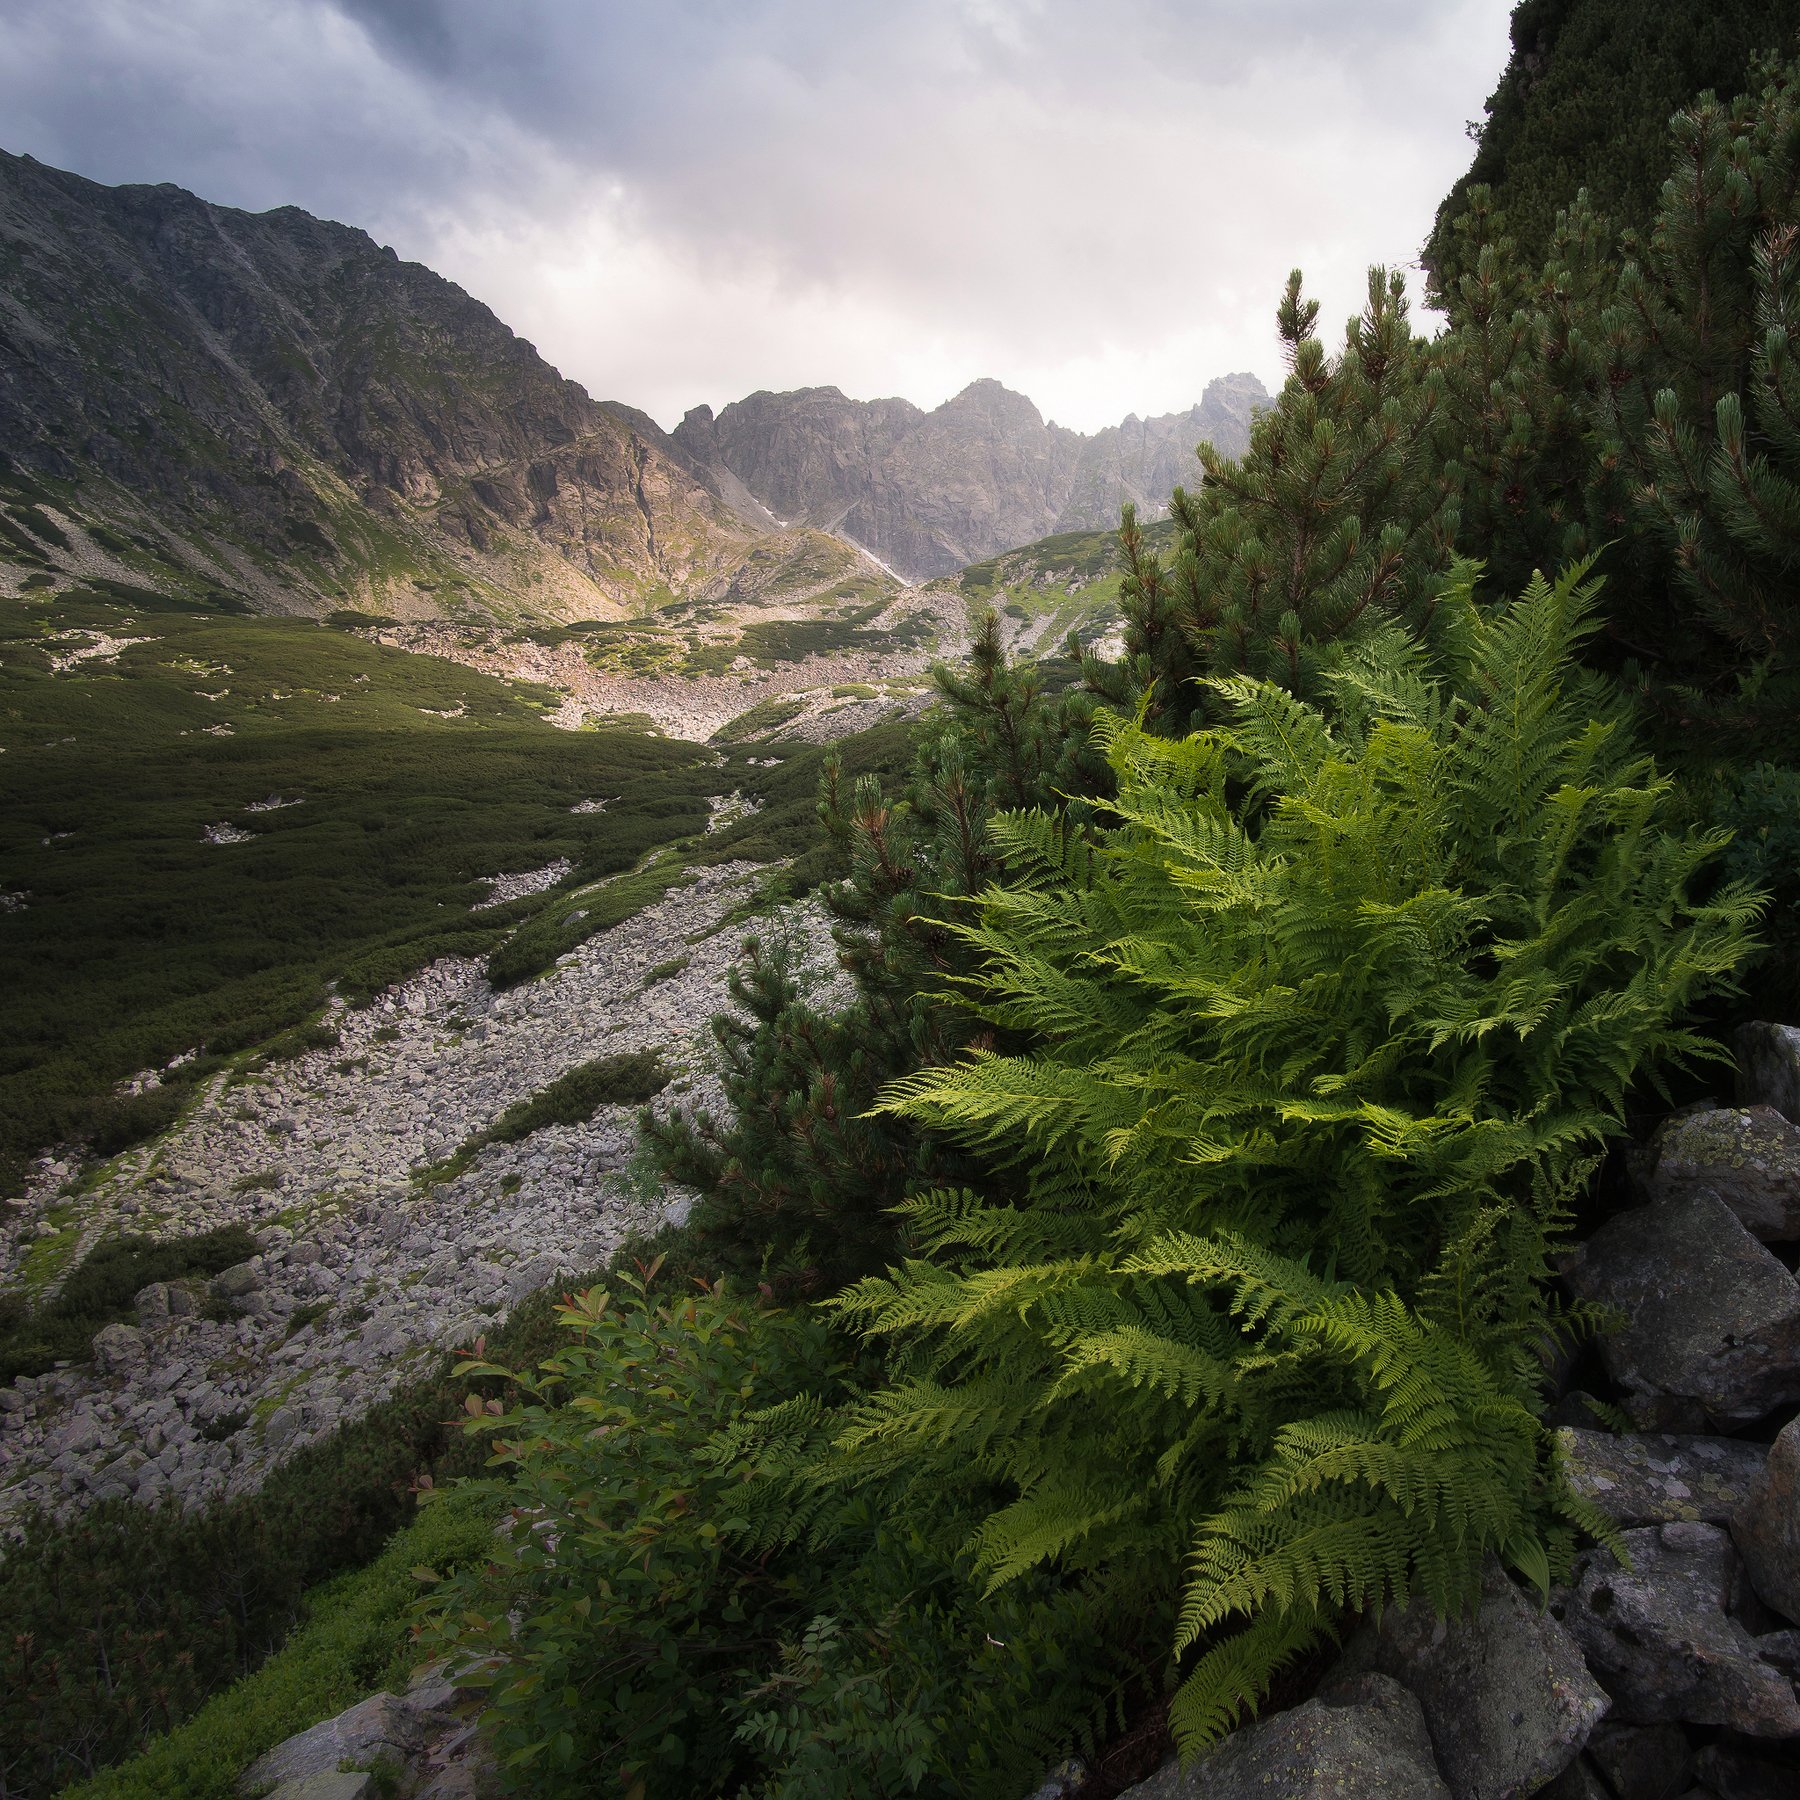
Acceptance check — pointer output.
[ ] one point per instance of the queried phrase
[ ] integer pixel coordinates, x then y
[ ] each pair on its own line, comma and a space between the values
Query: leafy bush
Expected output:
618, 1597
1319, 1041
649, 1628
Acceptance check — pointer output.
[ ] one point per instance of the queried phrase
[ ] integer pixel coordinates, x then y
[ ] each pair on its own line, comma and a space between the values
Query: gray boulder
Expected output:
381, 1728
1768, 1060
1766, 1525
1364, 1735
235, 1283
118, 1349
354, 1784
1662, 1642
1506, 1697
1711, 1319
1658, 1478
1749, 1157
1649, 1762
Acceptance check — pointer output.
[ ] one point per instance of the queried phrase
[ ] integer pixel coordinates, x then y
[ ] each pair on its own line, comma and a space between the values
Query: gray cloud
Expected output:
686, 200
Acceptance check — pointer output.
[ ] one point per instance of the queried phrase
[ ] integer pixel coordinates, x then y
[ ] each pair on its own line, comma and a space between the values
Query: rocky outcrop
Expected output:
930, 492
290, 407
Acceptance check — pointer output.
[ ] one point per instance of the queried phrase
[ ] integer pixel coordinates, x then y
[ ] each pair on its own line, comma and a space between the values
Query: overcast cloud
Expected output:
685, 200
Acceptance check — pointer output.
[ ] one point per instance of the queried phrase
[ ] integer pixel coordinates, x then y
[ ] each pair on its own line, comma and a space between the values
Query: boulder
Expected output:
1749, 1157
1657, 1478
1660, 1639
1577, 1782
1711, 1319
1507, 1700
1737, 1771
1649, 1762
152, 1304
1768, 1060
1363, 1735
381, 1728
118, 1349
1766, 1525
341, 1784
236, 1282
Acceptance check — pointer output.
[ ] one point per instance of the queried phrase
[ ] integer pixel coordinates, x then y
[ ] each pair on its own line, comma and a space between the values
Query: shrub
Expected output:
1318, 1041
102, 1289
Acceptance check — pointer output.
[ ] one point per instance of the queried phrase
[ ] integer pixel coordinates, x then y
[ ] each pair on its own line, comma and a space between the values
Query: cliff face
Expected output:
306, 410
929, 492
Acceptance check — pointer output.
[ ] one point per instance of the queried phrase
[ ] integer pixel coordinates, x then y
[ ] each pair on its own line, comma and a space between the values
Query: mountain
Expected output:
272, 411
930, 492
287, 411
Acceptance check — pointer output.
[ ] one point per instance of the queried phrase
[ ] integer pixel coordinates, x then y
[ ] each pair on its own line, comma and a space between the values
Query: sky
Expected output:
681, 201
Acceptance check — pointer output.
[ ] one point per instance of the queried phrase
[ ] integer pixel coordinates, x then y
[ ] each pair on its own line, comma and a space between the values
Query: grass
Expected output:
141, 940
354, 1641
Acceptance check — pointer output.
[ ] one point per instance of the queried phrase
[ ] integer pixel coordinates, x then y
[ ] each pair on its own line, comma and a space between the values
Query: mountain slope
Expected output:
930, 492
1585, 100
286, 401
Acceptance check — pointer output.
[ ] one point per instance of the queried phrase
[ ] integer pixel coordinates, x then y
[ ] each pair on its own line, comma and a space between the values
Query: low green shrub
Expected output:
123, 1622
656, 1639
101, 1289
354, 1638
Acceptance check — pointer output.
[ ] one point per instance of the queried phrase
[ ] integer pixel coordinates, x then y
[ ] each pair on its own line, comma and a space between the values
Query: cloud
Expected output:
688, 200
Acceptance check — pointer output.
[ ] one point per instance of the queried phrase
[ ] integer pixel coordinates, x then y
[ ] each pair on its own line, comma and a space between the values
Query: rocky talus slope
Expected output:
929, 492
363, 1273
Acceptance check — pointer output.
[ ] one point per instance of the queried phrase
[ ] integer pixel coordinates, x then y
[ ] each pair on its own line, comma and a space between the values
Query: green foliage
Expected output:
1338, 520
101, 1290
657, 1633
798, 1180
634, 1601
1760, 807
1321, 1036
627, 1079
1584, 102
354, 1639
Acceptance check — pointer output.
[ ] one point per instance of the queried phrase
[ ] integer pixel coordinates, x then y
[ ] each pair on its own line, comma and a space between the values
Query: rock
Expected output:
1749, 1157
1063, 1782
280, 1427
182, 1304
338, 1785
1506, 1697
1363, 1735
236, 1282
1657, 1478
152, 1304
1577, 1782
1650, 1762
1661, 1641
382, 1726
118, 1349
1766, 1525
1736, 1771
1768, 1059
1711, 1318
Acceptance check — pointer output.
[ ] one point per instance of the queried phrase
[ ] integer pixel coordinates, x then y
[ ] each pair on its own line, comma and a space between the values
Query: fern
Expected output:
1309, 1052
